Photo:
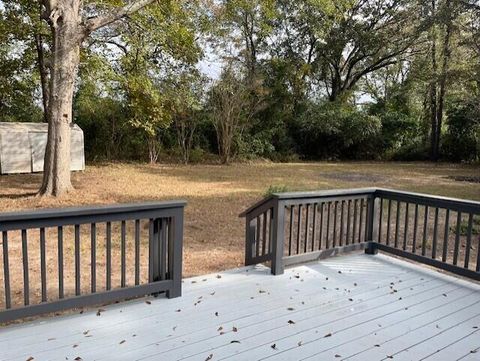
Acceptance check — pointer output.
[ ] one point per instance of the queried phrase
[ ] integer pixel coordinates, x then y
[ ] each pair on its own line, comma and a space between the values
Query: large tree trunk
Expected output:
67, 36
443, 78
433, 90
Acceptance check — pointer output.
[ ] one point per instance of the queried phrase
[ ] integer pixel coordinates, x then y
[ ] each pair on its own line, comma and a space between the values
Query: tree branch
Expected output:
116, 14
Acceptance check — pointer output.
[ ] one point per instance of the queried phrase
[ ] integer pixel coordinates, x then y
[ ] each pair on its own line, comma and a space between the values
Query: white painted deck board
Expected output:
430, 316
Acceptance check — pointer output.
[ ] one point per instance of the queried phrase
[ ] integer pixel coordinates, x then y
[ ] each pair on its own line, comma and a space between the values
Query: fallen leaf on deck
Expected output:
290, 309
291, 322
123, 341
219, 276
209, 357
216, 314
274, 346
328, 335
234, 341
300, 343
337, 355
234, 329
30, 358
148, 302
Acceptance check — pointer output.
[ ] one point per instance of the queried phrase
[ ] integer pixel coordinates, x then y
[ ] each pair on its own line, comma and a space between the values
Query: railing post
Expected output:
250, 231
372, 220
175, 253
278, 230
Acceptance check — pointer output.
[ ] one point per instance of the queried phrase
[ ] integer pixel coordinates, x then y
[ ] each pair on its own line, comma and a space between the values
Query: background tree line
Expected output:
306, 79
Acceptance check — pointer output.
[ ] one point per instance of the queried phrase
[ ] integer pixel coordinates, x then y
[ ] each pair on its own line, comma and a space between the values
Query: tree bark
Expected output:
433, 89
443, 77
68, 32
67, 37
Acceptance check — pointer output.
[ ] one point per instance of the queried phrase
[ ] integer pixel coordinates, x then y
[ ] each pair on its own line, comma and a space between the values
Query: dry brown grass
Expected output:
214, 236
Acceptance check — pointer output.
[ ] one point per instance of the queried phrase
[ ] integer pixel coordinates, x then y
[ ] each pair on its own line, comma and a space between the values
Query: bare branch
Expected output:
116, 14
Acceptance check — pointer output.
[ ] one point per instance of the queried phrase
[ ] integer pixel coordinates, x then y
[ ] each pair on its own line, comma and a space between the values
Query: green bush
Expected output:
462, 139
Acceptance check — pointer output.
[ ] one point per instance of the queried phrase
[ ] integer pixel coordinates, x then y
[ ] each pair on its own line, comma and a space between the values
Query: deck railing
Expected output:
289, 228
76, 257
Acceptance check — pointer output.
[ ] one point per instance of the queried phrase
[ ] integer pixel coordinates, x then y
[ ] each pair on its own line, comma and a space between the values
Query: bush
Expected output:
462, 139
332, 130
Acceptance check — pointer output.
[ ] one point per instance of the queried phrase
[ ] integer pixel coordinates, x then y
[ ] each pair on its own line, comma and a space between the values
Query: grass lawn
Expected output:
214, 235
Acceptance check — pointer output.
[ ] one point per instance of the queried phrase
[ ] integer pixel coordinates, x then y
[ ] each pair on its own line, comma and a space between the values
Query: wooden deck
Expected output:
354, 307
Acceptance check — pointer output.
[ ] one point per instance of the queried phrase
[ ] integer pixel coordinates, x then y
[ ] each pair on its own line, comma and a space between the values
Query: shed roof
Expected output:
29, 127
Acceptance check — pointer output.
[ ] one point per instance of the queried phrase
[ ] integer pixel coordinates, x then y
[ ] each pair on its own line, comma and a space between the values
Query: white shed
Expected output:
22, 147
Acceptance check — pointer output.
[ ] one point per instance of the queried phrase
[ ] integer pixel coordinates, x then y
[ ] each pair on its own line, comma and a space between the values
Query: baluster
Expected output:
341, 224
93, 257
445, 236
314, 221
380, 220
354, 230
264, 233
257, 243
415, 226
478, 255
397, 224
43, 265
61, 293
469, 240
163, 247
26, 282
306, 228
347, 236
77, 260
290, 232
457, 238
299, 225
435, 234
137, 252
6, 270
327, 233
122, 254
320, 233
108, 263
335, 223
389, 218
425, 230
405, 231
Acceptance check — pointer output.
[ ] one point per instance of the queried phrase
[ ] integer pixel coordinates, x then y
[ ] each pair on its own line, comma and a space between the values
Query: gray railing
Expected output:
67, 258
290, 228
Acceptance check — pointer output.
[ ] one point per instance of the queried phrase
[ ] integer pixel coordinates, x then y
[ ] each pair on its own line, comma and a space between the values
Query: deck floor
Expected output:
353, 307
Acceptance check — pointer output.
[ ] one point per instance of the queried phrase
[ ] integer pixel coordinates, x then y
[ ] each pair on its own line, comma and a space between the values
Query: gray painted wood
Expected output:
257, 305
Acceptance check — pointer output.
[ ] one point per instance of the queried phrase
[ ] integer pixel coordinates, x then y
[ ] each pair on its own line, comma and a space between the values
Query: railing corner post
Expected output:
175, 253
277, 266
371, 248
250, 231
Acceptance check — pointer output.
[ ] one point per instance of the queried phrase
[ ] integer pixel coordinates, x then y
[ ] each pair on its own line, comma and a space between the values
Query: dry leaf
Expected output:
274, 346
209, 357
291, 322
328, 335
123, 341
148, 302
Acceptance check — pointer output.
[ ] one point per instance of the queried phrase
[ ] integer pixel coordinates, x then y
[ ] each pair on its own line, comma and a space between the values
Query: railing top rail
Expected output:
309, 195
438, 201
435, 200
70, 212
